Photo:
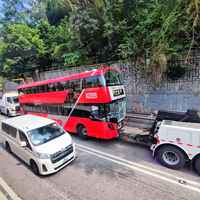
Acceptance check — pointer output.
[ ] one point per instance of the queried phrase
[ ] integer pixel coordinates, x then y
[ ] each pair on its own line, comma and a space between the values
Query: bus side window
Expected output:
45, 88
35, 90
44, 109
28, 91
41, 88
53, 109
75, 85
51, 87
65, 85
58, 87
84, 83
21, 91
92, 82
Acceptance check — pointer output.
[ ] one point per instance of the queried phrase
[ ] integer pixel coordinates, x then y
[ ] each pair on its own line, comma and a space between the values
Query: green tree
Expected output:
23, 48
75, 32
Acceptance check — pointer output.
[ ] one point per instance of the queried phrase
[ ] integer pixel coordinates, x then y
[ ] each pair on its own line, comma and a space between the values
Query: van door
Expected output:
25, 153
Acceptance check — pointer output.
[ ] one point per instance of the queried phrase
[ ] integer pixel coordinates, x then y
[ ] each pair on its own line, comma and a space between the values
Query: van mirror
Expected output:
23, 144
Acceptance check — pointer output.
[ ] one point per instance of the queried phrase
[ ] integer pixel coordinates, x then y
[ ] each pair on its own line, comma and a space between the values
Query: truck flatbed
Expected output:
135, 135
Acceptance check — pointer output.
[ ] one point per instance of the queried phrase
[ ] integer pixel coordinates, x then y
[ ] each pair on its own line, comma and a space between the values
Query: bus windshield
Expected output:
113, 78
44, 134
115, 109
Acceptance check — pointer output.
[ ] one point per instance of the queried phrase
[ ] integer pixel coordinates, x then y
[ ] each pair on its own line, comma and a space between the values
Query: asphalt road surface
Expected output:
104, 170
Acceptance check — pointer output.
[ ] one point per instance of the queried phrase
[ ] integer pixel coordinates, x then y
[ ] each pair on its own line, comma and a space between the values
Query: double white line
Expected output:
170, 178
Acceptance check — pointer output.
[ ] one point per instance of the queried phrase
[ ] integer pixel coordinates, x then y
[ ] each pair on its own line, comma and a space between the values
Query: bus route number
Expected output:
118, 92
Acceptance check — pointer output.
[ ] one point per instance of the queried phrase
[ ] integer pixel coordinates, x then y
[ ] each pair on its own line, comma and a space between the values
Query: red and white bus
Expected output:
101, 102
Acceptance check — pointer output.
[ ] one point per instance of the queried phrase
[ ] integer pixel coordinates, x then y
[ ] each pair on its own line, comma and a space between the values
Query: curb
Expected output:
7, 191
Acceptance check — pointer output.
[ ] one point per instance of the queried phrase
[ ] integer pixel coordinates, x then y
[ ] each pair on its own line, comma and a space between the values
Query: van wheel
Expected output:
171, 157
197, 165
82, 132
7, 147
34, 167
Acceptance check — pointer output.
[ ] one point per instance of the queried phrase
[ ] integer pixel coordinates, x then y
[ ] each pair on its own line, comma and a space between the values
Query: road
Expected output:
104, 170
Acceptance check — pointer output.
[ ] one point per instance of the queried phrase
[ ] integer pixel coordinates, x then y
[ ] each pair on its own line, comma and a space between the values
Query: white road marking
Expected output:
8, 190
143, 169
140, 165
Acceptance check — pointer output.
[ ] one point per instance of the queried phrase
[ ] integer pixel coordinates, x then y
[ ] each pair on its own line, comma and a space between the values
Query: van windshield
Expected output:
45, 134
12, 100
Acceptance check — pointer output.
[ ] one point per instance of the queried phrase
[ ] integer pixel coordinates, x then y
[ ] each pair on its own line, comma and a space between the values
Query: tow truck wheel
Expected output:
171, 157
197, 165
82, 131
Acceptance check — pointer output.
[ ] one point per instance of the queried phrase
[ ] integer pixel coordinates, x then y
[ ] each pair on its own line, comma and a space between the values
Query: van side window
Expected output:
9, 130
23, 138
12, 131
4, 127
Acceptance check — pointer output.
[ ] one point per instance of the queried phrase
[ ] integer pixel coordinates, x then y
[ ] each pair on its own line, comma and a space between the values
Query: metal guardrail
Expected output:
140, 120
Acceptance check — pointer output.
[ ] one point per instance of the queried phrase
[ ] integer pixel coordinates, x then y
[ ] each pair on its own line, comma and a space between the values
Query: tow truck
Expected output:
174, 138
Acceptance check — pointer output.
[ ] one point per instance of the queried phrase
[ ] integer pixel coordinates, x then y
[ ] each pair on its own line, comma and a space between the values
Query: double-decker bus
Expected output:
91, 103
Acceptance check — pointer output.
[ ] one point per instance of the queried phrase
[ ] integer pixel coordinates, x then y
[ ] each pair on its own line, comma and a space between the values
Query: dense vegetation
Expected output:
40, 33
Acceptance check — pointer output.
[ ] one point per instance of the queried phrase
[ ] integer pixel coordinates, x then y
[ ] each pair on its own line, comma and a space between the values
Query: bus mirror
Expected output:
114, 120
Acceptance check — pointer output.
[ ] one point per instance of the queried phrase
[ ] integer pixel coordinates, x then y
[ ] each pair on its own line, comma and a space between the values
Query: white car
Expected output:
38, 141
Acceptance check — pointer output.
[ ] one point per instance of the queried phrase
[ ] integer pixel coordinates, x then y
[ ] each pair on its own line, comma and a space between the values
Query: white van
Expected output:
38, 141
9, 104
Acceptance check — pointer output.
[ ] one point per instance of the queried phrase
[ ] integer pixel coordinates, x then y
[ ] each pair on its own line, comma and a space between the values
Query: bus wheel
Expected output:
82, 131
197, 165
171, 157
7, 147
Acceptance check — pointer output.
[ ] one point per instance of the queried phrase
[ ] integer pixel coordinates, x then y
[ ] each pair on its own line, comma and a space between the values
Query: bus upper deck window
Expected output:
93, 81
51, 87
113, 78
35, 90
28, 91
21, 91
59, 86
